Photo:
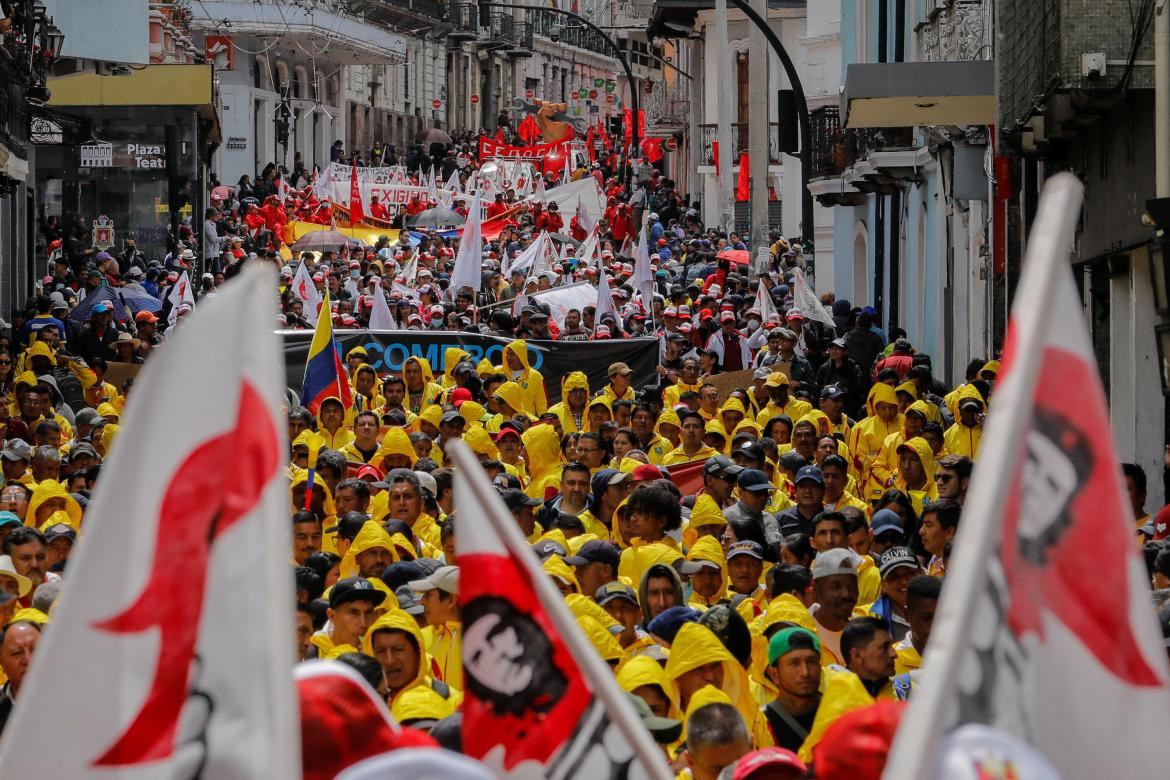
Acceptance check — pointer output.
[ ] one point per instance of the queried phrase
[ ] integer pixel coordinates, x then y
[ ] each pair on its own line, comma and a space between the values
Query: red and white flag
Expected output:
282, 188
169, 654
1045, 630
538, 700
356, 213
303, 288
380, 316
180, 294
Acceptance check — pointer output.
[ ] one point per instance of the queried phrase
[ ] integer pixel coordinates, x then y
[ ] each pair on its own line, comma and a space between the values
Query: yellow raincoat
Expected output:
370, 536
334, 440
709, 549
885, 464
704, 513
530, 380
929, 492
640, 556
642, 670
451, 358
575, 380
868, 437
694, 646
397, 620
45, 491
959, 439
431, 391
395, 442
601, 639
543, 448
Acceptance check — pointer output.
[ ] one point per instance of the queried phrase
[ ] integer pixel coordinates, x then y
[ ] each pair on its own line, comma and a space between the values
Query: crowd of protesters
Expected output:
753, 618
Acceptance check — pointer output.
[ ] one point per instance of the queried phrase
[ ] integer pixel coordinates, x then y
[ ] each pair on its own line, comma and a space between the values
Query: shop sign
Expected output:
220, 51
103, 233
236, 142
107, 155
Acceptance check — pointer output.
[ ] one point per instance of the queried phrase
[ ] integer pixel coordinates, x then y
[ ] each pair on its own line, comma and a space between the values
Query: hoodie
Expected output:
576, 380
929, 492
45, 491
395, 442
642, 671
452, 356
886, 463
530, 380
430, 393
335, 440
370, 536
640, 557
868, 437
544, 458
397, 620
960, 439
695, 645
708, 549
658, 570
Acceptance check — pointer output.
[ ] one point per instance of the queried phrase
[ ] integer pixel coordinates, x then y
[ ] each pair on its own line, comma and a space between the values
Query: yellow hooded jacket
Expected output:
45, 491
704, 513
544, 457
575, 380
397, 620
451, 358
430, 393
370, 536
709, 549
959, 439
694, 646
530, 380
868, 437
929, 492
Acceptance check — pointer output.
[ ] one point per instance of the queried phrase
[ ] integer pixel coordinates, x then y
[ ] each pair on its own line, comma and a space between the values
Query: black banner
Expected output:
389, 349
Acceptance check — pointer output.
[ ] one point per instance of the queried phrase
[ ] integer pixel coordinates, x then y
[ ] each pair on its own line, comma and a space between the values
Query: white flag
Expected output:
1045, 630
805, 301
560, 299
169, 654
567, 174
469, 261
583, 219
643, 276
556, 710
452, 184
764, 304
303, 288
588, 249
604, 299
409, 272
380, 316
181, 293
527, 259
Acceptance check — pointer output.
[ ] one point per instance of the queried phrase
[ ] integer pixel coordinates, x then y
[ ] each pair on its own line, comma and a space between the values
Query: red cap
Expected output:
764, 762
856, 746
727, 317
647, 472
145, 316
367, 470
506, 432
706, 314
459, 395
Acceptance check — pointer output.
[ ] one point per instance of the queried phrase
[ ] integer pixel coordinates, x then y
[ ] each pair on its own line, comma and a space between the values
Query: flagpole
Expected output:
586, 656
915, 746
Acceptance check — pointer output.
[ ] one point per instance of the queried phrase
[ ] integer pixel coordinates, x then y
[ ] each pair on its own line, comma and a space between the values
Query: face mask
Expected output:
355, 274
753, 326
688, 591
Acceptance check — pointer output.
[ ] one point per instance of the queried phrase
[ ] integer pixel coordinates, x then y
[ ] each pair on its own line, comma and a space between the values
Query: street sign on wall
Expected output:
474, 99
436, 103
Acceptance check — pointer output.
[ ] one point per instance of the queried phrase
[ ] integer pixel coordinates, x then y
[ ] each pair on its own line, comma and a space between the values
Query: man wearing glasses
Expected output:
953, 476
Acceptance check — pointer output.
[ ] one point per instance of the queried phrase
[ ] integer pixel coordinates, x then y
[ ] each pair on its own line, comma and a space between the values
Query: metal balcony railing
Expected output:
835, 148
568, 33
739, 136
433, 8
464, 20
523, 40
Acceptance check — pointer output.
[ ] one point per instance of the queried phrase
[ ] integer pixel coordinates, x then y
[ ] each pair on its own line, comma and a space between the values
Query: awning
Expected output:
338, 37
910, 94
154, 85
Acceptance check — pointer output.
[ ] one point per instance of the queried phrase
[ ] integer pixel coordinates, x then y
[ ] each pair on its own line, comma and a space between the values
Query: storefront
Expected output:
143, 156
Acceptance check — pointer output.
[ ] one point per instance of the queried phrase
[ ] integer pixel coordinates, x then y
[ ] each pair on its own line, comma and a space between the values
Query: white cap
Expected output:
444, 578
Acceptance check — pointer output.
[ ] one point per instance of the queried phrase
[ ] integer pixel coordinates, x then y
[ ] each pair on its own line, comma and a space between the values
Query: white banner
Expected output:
575, 296
805, 301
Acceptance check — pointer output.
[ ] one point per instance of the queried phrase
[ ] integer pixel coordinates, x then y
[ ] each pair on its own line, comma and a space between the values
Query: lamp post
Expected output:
806, 200
618, 54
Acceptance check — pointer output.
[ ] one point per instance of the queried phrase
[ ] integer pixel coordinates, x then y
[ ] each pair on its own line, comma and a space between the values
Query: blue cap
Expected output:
9, 518
668, 623
885, 520
809, 472
754, 480
100, 308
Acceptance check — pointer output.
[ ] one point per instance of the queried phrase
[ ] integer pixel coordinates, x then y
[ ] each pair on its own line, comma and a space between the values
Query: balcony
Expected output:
669, 103
739, 136
523, 41
569, 34
464, 21
402, 14
848, 163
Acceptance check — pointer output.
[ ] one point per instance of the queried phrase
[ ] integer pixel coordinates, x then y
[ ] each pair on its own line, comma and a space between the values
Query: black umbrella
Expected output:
320, 240
432, 136
437, 217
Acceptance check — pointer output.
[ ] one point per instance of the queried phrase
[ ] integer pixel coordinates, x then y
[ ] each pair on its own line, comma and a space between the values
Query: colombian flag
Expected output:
324, 374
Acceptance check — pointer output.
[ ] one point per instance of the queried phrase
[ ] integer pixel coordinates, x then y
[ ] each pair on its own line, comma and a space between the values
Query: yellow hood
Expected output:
843, 693
695, 646
637, 558
922, 448
705, 512
708, 694
644, 670
480, 442
420, 703
968, 391
397, 442
398, 620
603, 641
555, 566
58, 517
820, 421
668, 417
922, 407
576, 380
41, 349
318, 485
484, 368
544, 450
370, 536
432, 413
472, 413
708, 548
50, 489
519, 348
582, 606
909, 388
512, 395
451, 358
880, 393
424, 365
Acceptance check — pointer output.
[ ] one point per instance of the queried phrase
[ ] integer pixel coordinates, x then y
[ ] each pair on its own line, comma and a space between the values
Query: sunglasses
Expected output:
944, 477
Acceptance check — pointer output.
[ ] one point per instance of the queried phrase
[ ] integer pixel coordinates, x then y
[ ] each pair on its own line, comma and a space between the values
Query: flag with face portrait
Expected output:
538, 702
1045, 630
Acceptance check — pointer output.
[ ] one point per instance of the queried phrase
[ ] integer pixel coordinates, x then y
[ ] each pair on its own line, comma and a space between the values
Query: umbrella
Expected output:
737, 256
437, 217
565, 239
222, 192
432, 136
137, 299
320, 240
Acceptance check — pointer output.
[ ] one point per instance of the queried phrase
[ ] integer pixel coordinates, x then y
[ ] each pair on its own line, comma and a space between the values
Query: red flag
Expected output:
1019, 619
529, 130
715, 156
652, 149
538, 700
589, 144
627, 126
356, 213
743, 186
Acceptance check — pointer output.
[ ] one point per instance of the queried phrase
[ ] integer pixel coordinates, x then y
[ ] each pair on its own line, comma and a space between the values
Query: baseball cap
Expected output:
548, 547
832, 391
792, 638
746, 547
60, 531
664, 730
16, 449
754, 481
776, 379
762, 373
100, 308
897, 557
607, 477
9, 518
753, 449
763, 763
727, 317
596, 551
809, 472
408, 600
514, 499
615, 590
354, 589
145, 316
348, 525
718, 465
885, 520
837, 561
444, 578
971, 402
839, 343
618, 368
427, 483
88, 416
451, 416
647, 472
